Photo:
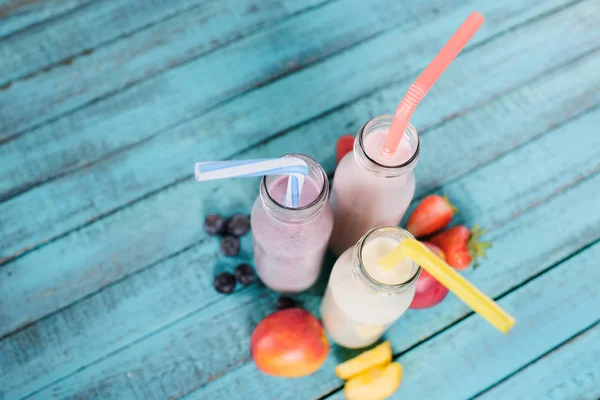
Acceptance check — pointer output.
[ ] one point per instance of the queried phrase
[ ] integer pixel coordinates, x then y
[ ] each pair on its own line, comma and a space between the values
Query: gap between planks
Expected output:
6, 10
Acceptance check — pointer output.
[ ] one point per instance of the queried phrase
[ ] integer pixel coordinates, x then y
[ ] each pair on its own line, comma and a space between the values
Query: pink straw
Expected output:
428, 77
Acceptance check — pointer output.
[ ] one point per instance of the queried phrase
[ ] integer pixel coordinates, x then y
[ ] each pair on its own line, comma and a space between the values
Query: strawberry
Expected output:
345, 144
432, 214
461, 246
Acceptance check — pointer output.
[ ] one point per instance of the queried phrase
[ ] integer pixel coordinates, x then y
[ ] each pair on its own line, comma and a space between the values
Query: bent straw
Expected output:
447, 276
428, 77
296, 168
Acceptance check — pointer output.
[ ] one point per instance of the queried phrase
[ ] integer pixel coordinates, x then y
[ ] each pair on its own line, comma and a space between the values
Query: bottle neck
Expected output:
367, 149
360, 271
272, 201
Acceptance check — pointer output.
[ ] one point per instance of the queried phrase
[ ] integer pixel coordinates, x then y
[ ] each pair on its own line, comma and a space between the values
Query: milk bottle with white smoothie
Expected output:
370, 189
362, 300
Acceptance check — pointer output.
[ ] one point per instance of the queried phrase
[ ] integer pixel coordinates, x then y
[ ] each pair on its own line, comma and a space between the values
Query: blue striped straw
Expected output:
294, 167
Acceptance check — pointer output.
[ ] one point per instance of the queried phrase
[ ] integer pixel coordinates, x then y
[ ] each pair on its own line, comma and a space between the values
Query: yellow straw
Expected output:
447, 276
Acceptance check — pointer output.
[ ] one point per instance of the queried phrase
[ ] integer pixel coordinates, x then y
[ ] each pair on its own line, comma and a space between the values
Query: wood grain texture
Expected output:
169, 211
60, 40
473, 348
568, 372
127, 61
17, 15
105, 275
170, 99
226, 131
184, 93
183, 282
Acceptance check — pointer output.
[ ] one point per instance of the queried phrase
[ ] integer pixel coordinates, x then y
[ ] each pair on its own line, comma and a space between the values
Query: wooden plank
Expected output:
18, 15
160, 103
470, 355
219, 76
180, 287
230, 129
146, 222
568, 372
123, 63
209, 349
60, 40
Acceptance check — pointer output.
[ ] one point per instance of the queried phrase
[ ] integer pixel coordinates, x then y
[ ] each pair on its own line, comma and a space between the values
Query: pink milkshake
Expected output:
290, 243
369, 189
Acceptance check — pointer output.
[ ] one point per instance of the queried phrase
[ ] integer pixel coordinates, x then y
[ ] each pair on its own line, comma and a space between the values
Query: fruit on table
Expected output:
244, 274
289, 343
215, 225
230, 246
224, 283
379, 355
429, 291
435, 250
376, 383
238, 225
461, 245
432, 214
345, 144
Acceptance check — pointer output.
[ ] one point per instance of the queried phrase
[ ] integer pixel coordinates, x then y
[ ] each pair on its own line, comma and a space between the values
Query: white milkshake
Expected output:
362, 300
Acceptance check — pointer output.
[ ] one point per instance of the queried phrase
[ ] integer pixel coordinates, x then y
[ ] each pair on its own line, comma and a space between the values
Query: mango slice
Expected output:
379, 355
376, 383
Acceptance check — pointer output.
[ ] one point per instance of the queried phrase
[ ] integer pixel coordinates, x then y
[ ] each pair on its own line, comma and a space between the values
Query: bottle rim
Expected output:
297, 213
361, 271
370, 163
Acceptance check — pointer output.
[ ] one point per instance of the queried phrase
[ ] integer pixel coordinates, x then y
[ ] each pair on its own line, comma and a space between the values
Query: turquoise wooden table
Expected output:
106, 273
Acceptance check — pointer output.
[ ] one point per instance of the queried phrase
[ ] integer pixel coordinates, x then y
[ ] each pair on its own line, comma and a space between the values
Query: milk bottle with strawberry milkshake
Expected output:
362, 300
371, 189
290, 243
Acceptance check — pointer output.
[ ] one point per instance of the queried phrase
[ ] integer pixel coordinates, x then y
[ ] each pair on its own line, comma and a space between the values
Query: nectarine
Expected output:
289, 343
376, 383
379, 355
429, 291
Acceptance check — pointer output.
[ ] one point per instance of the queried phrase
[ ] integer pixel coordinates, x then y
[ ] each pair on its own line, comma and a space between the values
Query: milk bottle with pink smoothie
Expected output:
370, 189
290, 243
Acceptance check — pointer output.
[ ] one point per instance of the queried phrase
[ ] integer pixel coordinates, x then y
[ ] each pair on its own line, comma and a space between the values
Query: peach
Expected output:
289, 343
429, 291
379, 355
376, 383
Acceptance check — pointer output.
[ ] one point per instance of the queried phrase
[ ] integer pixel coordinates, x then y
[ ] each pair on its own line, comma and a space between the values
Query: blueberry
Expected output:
224, 283
244, 274
230, 246
284, 302
238, 225
215, 225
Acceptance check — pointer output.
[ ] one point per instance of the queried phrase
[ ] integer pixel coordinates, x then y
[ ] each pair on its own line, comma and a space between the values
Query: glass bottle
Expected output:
370, 190
361, 301
290, 243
